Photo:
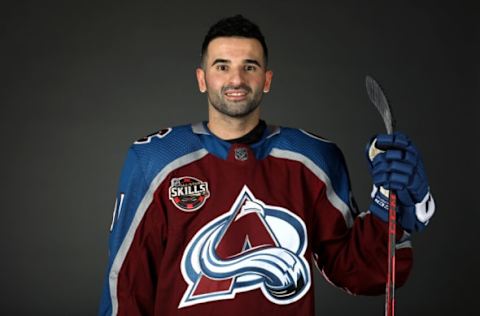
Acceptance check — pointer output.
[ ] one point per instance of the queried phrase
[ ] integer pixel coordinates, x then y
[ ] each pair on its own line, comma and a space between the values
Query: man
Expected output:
229, 216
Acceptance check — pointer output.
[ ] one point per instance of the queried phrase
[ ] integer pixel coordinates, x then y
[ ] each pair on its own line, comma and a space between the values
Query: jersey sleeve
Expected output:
134, 245
350, 248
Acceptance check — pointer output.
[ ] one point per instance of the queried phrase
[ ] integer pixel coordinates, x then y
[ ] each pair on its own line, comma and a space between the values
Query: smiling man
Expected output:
234, 73
229, 216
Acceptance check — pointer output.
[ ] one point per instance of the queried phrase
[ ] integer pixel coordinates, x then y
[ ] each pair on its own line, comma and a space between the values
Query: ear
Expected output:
202, 86
268, 81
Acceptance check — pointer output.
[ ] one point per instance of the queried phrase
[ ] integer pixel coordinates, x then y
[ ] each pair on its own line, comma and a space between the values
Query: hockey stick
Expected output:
377, 97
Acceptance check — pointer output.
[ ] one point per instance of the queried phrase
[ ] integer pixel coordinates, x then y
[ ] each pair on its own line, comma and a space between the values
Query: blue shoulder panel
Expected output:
323, 153
145, 159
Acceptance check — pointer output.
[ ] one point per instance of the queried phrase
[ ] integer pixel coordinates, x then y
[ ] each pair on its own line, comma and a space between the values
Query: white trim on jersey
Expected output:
315, 137
404, 241
139, 213
199, 128
117, 208
332, 196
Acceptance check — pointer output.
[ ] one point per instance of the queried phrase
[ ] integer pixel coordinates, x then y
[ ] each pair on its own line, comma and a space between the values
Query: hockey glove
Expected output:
395, 164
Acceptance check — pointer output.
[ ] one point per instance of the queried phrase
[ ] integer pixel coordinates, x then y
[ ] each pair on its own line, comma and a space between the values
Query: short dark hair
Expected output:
235, 26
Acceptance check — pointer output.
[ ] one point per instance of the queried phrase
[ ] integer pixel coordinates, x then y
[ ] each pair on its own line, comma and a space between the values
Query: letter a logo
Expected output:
254, 246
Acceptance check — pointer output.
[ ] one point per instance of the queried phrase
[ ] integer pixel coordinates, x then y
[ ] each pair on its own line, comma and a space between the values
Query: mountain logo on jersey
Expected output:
254, 246
160, 134
188, 193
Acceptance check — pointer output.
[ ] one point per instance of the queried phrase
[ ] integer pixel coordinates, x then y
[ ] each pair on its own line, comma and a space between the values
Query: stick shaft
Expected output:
378, 98
390, 287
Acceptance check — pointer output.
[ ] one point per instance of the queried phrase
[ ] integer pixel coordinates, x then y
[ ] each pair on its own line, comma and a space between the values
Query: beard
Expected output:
234, 108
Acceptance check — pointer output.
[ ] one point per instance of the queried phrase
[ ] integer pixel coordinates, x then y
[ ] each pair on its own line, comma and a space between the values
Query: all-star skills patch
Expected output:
188, 193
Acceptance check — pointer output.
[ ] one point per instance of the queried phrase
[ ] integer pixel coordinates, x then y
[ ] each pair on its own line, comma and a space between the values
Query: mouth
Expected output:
236, 95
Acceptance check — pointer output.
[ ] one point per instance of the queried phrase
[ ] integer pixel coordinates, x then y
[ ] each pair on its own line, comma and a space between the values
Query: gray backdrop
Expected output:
82, 80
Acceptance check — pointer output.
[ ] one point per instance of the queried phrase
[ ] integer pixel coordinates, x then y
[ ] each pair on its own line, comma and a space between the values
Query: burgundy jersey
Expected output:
205, 227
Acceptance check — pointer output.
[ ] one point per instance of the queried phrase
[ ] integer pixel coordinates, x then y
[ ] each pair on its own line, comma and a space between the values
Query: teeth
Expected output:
235, 94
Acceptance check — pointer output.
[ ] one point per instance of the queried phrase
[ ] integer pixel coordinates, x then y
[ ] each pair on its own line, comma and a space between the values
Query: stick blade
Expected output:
378, 98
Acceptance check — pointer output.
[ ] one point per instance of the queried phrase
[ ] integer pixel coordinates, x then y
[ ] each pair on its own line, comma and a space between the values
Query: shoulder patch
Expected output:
160, 134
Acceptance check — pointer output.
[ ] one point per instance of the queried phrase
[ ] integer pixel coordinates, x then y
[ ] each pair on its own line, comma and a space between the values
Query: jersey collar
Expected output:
220, 147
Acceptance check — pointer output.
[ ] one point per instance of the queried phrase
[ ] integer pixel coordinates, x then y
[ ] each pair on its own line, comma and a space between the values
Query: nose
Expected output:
236, 77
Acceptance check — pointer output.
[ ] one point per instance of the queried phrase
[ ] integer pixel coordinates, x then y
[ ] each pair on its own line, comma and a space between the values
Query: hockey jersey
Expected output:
205, 227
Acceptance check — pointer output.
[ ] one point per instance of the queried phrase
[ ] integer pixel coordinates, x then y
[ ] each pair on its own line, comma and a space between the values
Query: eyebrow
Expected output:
226, 61
253, 61
219, 60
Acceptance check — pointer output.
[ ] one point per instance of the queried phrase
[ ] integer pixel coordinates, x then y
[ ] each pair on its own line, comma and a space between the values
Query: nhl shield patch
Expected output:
188, 193
241, 154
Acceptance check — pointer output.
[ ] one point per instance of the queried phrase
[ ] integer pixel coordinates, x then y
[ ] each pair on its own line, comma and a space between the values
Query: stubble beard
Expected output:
235, 109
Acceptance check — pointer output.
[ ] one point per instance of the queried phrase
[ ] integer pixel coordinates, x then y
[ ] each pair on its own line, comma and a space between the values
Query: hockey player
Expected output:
230, 216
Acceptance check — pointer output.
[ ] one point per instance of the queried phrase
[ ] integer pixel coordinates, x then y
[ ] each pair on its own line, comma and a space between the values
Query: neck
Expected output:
226, 127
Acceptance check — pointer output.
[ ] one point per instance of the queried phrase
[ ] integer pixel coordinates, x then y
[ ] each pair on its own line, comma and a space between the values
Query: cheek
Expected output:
257, 82
213, 81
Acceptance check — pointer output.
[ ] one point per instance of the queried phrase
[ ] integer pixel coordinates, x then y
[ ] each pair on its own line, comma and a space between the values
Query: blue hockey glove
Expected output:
395, 164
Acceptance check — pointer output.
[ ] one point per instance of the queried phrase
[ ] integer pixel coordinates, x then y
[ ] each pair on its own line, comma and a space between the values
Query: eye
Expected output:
250, 68
221, 67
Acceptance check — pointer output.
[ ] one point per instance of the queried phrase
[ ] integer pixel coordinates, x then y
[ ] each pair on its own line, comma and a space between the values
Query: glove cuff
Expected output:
379, 206
425, 209
411, 218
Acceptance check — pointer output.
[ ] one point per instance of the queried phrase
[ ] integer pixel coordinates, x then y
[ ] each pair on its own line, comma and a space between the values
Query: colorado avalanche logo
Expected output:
253, 246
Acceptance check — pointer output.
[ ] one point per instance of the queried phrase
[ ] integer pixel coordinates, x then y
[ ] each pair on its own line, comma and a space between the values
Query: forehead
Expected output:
235, 48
